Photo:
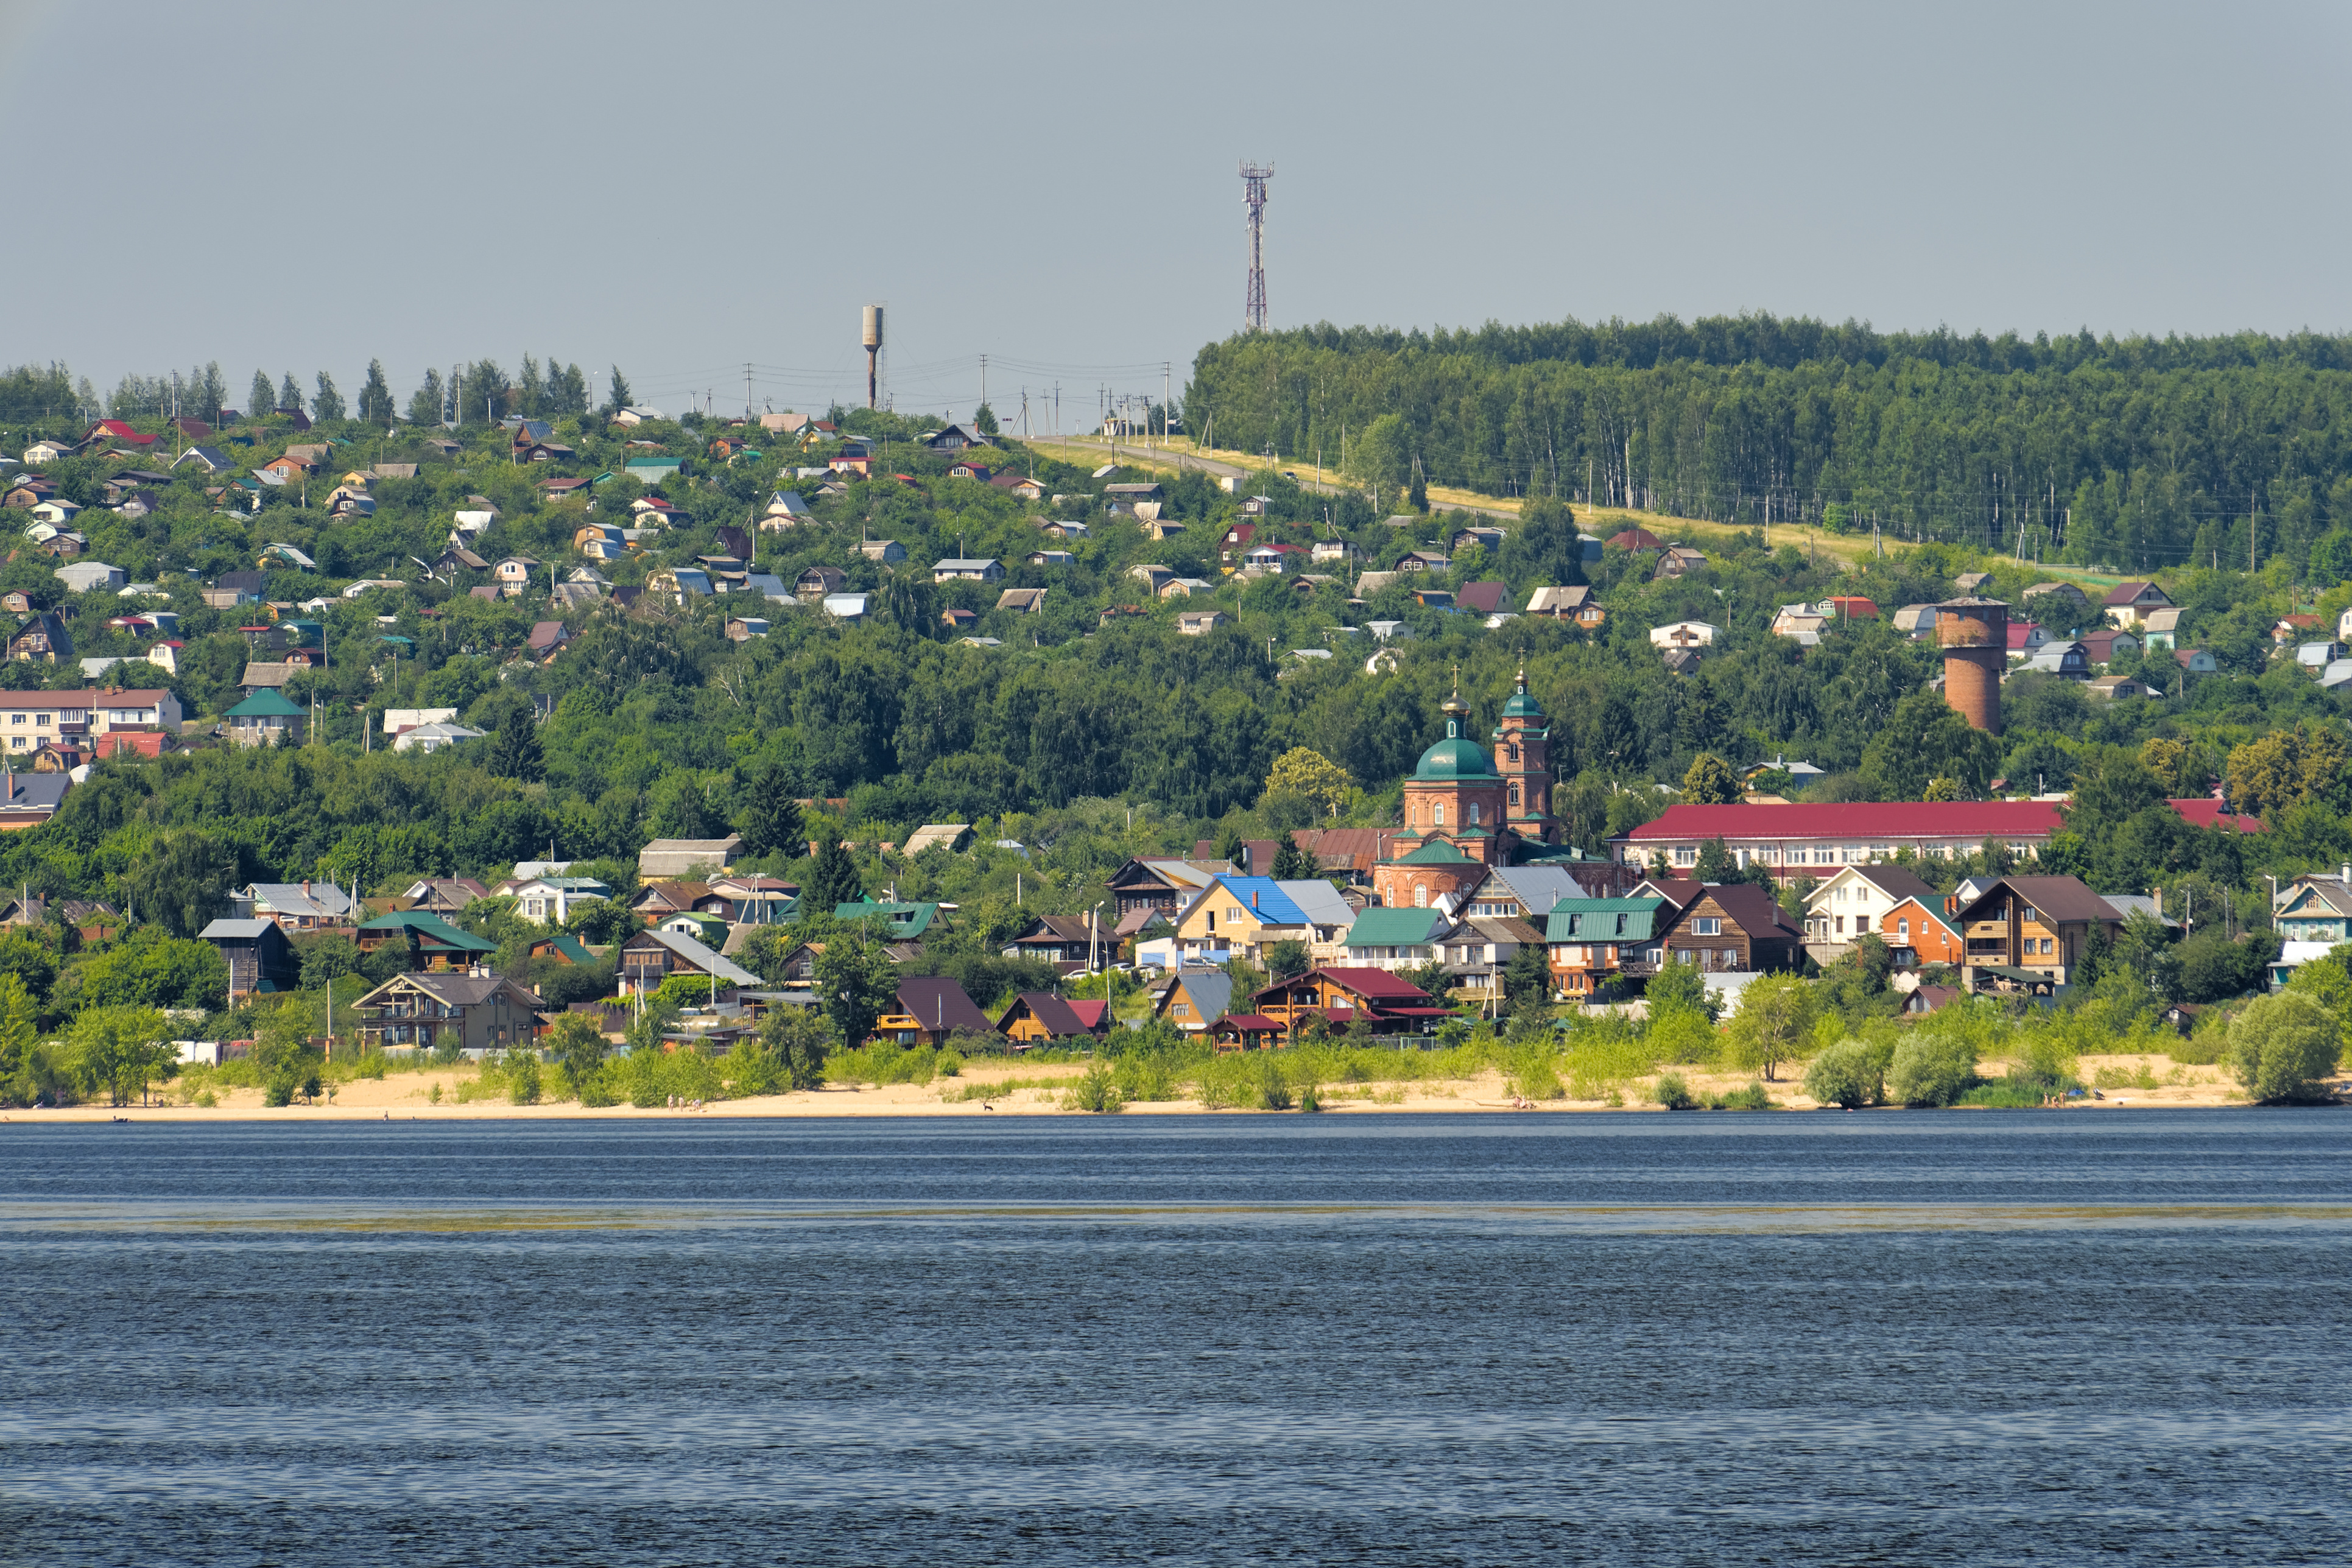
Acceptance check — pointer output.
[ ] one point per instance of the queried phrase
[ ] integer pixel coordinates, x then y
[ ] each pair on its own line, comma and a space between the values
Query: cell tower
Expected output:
1253, 181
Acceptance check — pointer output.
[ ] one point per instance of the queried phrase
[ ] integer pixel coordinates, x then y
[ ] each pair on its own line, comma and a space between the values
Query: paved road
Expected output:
1235, 471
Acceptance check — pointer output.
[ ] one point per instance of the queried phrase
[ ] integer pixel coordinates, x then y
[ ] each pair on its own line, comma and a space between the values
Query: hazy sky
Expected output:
679, 188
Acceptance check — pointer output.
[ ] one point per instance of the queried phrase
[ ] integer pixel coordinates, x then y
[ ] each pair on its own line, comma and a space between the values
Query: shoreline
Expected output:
406, 1096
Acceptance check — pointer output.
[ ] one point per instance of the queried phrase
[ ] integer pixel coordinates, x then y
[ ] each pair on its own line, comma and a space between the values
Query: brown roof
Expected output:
2124, 592
1047, 1009
1486, 598
938, 1002
1059, 928
1753, 908
1899, 883
2062, 897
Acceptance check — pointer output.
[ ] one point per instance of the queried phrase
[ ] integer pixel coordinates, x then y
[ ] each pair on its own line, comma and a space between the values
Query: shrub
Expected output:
1845, 1074
1272, 1089
1670, 1091
1534, 1075
2283, 1046
1310, 1098
1143, 1075
1931, 1070
1096, 1092
522, 1076
1751, 1098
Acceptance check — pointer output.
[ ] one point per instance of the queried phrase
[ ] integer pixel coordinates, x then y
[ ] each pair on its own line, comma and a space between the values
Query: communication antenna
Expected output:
1253, 179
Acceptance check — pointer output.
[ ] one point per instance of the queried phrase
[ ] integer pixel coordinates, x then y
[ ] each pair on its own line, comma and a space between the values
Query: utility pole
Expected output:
747, 389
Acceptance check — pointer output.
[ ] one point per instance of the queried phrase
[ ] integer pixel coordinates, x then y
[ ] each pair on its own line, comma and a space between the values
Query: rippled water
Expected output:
1982, 1339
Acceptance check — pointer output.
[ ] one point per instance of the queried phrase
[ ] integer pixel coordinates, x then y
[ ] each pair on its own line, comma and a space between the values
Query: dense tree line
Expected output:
2135, 454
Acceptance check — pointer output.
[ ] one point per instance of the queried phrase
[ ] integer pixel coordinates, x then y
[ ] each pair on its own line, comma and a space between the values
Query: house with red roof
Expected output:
1036, 1018
1634, 539
116, 430
1853, 607
1362, 1001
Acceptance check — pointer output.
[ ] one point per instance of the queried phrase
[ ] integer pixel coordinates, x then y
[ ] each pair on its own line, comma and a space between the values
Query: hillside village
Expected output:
503, 722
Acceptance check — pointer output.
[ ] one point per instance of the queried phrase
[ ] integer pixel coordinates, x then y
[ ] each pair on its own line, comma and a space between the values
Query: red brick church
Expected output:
1467, 811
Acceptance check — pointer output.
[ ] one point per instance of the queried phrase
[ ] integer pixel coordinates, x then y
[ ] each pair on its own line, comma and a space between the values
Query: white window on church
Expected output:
1420, 898
1437, 814
1474, 813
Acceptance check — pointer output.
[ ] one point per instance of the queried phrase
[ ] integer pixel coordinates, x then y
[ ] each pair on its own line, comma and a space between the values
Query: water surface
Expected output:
1969, 1339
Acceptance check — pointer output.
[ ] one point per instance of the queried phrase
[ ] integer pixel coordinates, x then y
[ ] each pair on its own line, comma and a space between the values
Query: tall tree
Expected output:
1710, 782
619, 397
769, 817
329, 404
430, 403
857, 980
259, 399
289, 393
527, 390
831, 879
375, 395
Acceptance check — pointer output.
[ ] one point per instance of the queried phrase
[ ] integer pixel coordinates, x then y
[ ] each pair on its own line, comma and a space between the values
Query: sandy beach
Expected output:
409, 1095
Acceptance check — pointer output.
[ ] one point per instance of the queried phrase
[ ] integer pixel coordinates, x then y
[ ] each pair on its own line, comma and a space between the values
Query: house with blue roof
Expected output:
1243, 915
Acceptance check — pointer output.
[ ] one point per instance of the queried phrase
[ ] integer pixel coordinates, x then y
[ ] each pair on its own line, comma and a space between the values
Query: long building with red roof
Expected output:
1800, 837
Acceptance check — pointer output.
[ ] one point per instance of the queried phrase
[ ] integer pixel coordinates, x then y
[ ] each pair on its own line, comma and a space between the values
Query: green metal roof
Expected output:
265, 703
1455, 757
570, 947
1602, 920
429, 928
906, 919
1395, 928
1437, 851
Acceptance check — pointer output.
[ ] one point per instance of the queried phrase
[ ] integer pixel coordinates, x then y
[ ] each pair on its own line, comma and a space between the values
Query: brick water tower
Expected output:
1974, 635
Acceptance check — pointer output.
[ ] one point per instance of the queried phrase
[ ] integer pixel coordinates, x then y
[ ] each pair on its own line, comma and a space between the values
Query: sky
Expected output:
682, 189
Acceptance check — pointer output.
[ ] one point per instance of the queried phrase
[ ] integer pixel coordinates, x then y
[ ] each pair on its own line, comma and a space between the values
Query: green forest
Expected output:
2127, 455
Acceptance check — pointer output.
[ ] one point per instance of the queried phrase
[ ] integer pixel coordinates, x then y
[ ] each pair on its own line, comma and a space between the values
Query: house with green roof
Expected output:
1395, 939
261, 718
1594, 940
906, 922
432, 942
1490, 808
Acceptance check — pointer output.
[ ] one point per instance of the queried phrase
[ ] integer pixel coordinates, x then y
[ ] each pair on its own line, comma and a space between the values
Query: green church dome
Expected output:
1521, 705
1455, 757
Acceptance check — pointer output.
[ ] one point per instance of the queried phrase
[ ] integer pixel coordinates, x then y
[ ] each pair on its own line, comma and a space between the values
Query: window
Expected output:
1472, 818
1181, 1010
1514, 792
1841, 924
1685, 854
1903, 929
1712, 925
1213, 921
1420, 897
43, 720
1437, 814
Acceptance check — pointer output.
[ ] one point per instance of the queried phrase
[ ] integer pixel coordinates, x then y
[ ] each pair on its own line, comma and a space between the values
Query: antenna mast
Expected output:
1253, 179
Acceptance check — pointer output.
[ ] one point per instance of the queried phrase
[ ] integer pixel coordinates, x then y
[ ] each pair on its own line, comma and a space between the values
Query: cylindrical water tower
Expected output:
873, 339
1974, 635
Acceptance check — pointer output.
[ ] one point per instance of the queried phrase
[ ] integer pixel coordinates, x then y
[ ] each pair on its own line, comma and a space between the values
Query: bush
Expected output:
1846, 1074
1096, 1092
1751, 1098
1931, 1070
1272, 1089
1670, 1091
2282, 1048
522, 1076
1535, 1075
1143, 1075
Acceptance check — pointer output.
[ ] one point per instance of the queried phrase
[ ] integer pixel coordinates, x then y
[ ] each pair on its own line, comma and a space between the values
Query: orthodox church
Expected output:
1467, 811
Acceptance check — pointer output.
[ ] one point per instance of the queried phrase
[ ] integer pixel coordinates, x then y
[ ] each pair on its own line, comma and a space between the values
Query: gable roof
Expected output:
1211, 990
1263, 898
1049, 1009
1754, 908
1396, 929
2063, 897
1320, 901
938, 1002
1539, 887
702, 957
429, 930
1604, 919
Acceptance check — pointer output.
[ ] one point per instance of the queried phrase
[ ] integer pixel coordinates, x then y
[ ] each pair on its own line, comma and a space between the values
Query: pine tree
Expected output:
770, 821
831, 881
515, 751
258, 399
1418, 497
289, 393
329, 402
1292, 864
621, 397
